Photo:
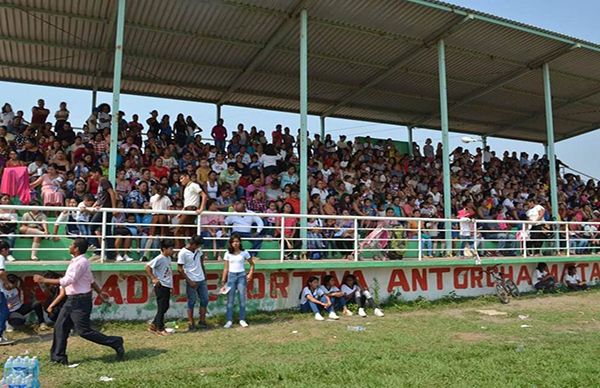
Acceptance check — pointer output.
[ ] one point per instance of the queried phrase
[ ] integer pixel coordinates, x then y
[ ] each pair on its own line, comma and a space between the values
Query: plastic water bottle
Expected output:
356, 328
8, 365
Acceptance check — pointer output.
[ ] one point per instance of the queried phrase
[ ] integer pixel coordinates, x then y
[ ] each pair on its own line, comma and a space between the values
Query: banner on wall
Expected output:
276, 290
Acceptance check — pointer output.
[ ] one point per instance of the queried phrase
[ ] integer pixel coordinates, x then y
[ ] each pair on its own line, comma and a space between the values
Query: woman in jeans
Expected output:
235, 278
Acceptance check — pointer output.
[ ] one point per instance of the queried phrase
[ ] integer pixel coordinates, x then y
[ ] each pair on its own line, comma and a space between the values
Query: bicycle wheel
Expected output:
512, 289
502, 294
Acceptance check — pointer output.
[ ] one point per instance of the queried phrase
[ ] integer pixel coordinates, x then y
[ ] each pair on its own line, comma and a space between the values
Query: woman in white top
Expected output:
212, 186
234, 278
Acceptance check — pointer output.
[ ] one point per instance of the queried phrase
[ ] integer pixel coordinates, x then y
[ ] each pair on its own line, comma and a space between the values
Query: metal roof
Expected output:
372, 60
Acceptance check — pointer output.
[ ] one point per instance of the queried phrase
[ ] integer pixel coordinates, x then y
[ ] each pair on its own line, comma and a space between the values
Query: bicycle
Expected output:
505, 288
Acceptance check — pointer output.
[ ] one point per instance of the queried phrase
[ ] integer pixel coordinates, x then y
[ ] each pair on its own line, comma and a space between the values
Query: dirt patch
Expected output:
471, 337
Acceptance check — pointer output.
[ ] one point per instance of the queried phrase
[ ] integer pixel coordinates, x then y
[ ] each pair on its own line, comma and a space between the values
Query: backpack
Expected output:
397, 243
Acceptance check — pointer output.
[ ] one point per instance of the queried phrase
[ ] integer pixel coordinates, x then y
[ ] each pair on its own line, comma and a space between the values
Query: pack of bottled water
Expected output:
21, 372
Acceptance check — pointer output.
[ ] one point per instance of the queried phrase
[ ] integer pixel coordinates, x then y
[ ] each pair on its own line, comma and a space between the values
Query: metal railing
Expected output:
135, 234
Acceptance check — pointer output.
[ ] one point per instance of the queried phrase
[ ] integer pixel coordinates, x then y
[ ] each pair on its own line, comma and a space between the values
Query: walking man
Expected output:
78, 283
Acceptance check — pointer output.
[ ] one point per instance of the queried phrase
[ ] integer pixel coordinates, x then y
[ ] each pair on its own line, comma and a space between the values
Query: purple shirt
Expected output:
78, 279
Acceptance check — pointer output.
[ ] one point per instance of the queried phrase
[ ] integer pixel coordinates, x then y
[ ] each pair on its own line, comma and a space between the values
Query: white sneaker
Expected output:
361, 312
127, 258
5, 341
9, 328
10, 258
228, 325
319, 317
120, 258
347, 313
243, 323
333, 315
378, 312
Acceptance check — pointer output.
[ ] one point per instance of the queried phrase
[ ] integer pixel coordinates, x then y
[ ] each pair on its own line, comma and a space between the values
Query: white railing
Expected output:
281, 237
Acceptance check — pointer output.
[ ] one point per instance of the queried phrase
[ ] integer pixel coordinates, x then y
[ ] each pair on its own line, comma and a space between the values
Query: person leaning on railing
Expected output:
8, 224
34, 223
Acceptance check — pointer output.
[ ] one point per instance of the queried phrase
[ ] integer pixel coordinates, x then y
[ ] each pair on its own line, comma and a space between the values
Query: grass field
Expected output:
423, 344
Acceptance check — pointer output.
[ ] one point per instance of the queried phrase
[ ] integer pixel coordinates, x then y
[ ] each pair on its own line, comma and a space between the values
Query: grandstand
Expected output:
320, 203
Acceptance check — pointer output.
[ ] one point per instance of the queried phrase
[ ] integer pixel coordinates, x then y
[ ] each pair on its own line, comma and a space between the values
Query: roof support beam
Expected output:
501, 81
399, 63
284, 29
565, 103
50, 12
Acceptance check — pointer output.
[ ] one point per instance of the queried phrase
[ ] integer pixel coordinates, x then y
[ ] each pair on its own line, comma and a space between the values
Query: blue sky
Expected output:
575, 18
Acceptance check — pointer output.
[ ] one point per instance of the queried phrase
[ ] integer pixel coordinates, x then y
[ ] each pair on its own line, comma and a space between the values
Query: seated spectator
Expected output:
313, 299
20, 310
34, 225
244, 226
68, 218
355, 293
336, 296
542, 280
52, 182
573, 280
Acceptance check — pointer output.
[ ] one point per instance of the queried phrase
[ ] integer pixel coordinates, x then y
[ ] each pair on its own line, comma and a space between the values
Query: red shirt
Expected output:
159, 172
219, 132
277, 137
295, 202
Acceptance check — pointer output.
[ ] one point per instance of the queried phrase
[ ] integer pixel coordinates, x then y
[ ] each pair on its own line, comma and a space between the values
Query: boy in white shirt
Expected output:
191, 266
159, 271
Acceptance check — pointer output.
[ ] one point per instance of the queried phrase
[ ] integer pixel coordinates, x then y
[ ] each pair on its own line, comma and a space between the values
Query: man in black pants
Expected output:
106, 198
159, 271
78, 283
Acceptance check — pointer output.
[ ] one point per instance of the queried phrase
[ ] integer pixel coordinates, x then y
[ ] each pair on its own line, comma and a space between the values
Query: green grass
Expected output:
421, 344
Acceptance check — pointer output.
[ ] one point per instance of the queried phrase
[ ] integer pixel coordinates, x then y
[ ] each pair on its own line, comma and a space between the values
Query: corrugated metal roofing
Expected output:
202, 49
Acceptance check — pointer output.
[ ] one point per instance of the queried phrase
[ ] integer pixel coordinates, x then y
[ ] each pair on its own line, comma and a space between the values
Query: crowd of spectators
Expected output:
258, 171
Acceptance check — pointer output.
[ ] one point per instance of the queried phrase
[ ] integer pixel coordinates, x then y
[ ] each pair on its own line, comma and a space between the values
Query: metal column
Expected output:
94, 97
410, 141
445, 143
550, 147
303, 124
218, 112
322, 127
114, 131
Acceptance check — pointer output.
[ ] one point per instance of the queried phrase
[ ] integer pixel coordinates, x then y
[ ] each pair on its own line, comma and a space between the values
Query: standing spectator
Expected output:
38, 115
161, 275
194, 199
104, 117
190, 265
235, 278
219, 134
7, 117
536, 213
106, 198
61, 116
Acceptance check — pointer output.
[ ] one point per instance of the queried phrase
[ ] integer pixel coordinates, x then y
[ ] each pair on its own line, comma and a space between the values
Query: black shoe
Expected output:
191, 328
120, 349
203, 325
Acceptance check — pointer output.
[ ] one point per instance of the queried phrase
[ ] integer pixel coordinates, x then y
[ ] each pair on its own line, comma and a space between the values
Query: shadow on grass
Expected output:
130, 355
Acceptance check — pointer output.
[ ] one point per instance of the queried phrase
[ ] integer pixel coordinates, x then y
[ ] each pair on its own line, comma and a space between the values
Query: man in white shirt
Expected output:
535, 213
321, 189
191, 266
243, 225
194, 199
